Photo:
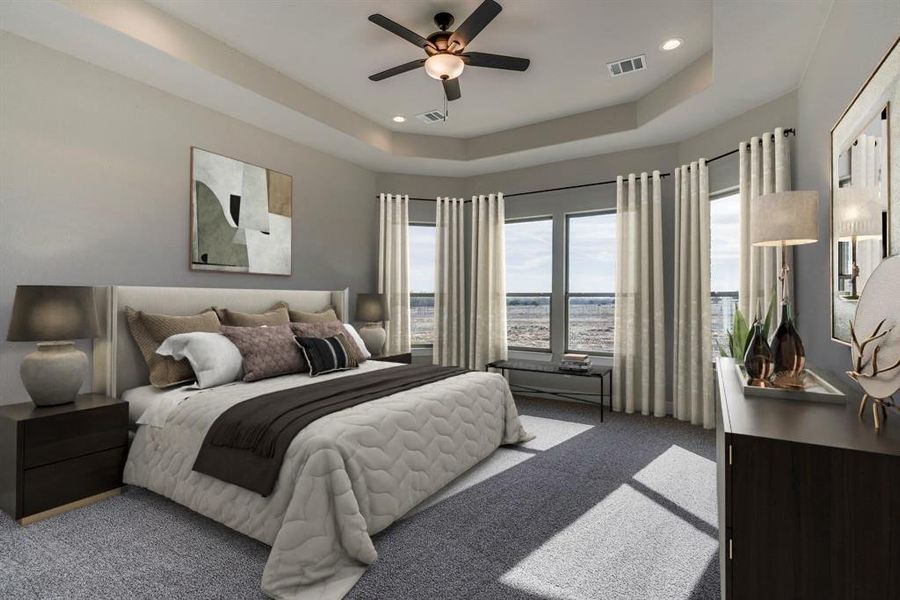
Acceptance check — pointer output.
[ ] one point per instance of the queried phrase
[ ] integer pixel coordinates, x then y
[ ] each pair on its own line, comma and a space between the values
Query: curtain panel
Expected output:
639, 358
449, 283
487, 323
393, 269
765, 167
692, 398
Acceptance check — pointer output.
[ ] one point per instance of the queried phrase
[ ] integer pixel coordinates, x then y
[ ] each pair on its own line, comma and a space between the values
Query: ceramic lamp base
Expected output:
54, 374
374, 337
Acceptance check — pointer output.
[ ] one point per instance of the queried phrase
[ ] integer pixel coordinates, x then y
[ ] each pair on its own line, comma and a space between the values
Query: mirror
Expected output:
865, 199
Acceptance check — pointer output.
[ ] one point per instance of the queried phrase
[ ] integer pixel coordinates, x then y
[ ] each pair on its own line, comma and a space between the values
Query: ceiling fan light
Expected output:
444, 66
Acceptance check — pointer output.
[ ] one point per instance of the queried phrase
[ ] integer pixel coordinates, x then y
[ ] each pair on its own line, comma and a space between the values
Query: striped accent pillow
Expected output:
325, 355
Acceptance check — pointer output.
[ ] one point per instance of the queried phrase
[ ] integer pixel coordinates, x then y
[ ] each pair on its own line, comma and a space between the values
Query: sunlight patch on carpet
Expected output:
683, 478
550, 432
594, 556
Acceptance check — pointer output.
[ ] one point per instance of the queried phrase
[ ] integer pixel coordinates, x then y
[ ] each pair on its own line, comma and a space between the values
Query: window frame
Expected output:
548, 349
422, 294
567, 294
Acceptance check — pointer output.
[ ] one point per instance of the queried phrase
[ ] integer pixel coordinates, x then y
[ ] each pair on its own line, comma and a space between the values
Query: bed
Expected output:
345, 477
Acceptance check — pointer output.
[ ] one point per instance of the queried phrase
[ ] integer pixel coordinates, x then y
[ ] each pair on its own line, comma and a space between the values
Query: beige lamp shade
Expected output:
371, 308
785, 219
857, 213
46, 313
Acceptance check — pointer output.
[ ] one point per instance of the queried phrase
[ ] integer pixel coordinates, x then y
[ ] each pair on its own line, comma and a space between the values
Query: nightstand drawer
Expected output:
60, 437
53, 485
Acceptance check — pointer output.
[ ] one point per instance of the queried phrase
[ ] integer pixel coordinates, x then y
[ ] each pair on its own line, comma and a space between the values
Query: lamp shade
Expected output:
51, 313
785, 218
857, 213
371, 308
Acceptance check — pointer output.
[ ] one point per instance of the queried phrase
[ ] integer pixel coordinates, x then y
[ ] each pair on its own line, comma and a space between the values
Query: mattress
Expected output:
345, 477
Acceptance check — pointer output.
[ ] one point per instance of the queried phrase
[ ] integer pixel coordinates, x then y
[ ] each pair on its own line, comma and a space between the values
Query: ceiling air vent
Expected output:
432, 116
627, 65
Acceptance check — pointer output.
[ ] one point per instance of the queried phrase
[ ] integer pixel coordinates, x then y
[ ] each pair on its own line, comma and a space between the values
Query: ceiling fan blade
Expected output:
397, 70
451, 89
477, 21
495, 61
398, 29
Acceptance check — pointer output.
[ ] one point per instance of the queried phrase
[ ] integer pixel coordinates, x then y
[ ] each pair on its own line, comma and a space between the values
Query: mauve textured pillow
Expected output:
327, 329
277, 315
299, 316
267, 351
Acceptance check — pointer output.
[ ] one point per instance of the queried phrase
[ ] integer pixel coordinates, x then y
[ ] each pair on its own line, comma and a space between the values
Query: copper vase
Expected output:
788, 352
758, 358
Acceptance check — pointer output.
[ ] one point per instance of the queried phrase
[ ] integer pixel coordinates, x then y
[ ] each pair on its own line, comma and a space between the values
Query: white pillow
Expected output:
359, 341
213, 357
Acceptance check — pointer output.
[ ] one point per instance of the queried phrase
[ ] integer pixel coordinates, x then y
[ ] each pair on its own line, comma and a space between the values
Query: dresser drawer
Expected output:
64, 436
53, 485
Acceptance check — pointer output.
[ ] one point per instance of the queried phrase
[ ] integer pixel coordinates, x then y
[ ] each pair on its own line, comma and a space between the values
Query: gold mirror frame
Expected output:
881, 91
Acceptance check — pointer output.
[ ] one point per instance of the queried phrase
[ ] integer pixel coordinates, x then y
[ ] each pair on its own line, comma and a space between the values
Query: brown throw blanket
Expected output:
247, 443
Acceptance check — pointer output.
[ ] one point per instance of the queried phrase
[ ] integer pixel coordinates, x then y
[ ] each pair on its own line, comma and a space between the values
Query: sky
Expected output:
421, 258
724, 243
529, 256
592, 252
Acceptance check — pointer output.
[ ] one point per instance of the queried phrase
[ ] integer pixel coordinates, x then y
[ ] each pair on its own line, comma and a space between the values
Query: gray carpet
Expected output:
587, 511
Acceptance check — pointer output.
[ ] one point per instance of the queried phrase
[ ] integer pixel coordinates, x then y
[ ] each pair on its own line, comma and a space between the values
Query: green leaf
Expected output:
741, 334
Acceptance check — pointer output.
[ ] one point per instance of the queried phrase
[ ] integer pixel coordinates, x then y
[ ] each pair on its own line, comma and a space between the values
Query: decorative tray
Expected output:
812, 388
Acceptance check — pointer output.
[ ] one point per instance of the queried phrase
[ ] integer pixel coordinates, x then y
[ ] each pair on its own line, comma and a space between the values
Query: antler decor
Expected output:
879, 405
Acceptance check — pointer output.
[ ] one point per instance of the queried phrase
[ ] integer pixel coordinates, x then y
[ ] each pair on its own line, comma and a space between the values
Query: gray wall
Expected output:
95, 182
852, 43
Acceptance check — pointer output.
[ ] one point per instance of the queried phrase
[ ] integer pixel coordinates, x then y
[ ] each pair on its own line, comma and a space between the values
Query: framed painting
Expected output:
240, 216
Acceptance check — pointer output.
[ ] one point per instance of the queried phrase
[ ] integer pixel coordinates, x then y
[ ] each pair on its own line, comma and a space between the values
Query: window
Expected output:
421, 284
529, 283
725, 257
591, 282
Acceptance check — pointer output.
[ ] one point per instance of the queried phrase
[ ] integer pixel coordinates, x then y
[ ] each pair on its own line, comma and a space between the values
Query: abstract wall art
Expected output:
240, 216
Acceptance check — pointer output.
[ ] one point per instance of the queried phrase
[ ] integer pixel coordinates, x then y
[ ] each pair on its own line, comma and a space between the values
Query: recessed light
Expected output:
671, 44
399, 119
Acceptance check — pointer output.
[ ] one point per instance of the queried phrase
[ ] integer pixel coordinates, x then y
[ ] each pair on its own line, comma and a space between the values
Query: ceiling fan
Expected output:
446, 49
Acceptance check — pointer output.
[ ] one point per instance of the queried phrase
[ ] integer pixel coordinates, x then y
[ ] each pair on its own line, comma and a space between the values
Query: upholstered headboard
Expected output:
118, 364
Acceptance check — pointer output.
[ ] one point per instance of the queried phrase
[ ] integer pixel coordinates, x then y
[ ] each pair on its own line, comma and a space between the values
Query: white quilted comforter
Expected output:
345, 477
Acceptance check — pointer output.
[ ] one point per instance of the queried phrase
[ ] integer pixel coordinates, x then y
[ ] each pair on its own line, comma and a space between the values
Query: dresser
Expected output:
57, 458
809, 497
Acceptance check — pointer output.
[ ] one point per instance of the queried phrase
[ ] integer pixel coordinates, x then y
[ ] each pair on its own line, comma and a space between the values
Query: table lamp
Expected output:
857, 216
372, 310
786, 219
53, 316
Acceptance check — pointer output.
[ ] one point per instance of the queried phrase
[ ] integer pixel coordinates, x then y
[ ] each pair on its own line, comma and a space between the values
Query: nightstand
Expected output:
57, 458
403, 357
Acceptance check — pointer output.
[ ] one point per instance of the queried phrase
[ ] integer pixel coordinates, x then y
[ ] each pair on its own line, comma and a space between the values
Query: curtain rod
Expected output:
787, 132
557, 189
